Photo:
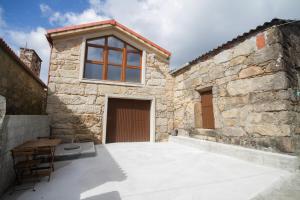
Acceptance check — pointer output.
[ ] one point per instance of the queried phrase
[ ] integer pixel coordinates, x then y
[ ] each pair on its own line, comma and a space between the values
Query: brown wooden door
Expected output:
207, 110
128, 120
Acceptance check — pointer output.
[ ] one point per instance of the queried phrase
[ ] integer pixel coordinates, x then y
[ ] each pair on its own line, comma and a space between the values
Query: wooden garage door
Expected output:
207, 110
128, 120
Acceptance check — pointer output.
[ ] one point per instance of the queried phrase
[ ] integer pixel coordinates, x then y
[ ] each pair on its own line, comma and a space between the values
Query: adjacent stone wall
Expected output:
24, 94
290, 36
76, 108
251, 95
16, 129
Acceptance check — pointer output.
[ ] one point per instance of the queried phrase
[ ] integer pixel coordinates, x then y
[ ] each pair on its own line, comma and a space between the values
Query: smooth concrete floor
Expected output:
160, 171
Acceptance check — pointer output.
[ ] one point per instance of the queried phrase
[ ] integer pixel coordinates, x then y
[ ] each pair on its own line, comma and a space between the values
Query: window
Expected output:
109, 58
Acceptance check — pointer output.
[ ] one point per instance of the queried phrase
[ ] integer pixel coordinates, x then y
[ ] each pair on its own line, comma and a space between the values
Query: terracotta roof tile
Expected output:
106, 22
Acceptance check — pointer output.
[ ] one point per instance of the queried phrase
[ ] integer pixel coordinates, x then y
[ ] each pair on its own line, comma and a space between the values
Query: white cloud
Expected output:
187, 28
88, 15
68, 18
45, 9
35, 39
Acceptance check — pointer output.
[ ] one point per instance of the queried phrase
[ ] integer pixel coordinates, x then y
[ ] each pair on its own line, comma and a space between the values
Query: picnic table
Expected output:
38, 143
30, 158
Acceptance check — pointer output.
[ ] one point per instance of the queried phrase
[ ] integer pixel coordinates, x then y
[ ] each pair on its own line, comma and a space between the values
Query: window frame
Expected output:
105, 61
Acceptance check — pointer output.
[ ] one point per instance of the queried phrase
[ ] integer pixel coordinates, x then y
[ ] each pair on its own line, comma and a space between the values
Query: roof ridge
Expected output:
232, 42
112, 22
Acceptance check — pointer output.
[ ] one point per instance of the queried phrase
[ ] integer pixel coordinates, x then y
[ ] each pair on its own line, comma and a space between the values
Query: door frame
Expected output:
117, 96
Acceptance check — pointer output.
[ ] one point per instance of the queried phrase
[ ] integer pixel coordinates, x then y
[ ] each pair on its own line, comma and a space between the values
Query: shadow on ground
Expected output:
77, 179
114, 195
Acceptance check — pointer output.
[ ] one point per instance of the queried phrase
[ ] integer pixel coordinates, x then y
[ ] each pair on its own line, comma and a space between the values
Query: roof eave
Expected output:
68, 29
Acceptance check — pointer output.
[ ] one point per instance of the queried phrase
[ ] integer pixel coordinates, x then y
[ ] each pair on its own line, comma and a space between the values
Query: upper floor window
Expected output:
109, 58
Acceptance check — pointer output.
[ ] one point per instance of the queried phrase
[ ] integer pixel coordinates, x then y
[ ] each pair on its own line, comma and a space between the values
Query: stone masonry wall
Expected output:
31, 59
251, 95
76, 108
290, 36
24, 95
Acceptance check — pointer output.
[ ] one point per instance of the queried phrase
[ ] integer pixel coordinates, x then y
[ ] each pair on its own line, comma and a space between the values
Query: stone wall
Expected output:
23, 93
31, 59
290, 36
76, 108
251, 95
16, 129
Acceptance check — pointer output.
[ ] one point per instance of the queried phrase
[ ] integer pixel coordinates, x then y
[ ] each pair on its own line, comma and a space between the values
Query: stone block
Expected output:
250, 71
222, 57
286, 144
265, 54
258, 84
245, 48
91, 89
161, 121
233, 131
265, 129
70, 89
232, 113
237, 60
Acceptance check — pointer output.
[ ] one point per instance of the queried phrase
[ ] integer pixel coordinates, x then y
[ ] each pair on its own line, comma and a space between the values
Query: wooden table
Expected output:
32, 153
39, 143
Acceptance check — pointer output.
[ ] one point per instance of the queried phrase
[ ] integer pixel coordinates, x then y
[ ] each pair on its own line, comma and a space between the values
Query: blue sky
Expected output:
187, 28
27, 14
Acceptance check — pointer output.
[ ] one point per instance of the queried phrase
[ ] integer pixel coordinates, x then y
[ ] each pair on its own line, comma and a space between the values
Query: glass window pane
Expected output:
133, 59
94, 53
99, 41
114, 73
133, 75
131, 48
93, 71
114, 42
115, 57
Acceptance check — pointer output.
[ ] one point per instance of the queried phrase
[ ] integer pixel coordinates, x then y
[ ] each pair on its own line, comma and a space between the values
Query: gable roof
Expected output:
103, 23
233, 42
16, 58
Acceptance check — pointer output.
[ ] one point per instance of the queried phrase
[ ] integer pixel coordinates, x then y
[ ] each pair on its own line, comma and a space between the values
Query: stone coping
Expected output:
270, 159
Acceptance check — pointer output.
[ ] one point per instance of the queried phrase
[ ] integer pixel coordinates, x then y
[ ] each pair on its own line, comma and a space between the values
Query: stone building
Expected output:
111, 84
104, 77
20, 84
245, 88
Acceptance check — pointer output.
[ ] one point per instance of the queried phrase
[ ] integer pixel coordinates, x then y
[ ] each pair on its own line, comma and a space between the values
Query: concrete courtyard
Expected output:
136, 171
